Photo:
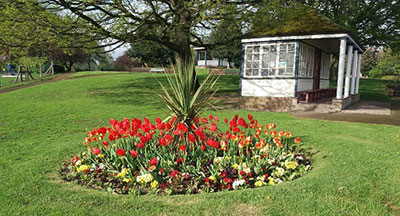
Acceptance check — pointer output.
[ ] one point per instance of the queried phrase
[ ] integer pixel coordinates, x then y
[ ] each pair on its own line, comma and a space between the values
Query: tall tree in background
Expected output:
227, 37
147, 52
375, 23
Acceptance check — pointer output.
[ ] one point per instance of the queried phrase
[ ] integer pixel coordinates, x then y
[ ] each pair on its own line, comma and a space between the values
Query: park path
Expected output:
392, 119
60, 77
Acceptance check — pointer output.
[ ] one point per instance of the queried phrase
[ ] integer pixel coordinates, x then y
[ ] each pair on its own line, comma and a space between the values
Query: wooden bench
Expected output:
314, 95
232, 71
157, 70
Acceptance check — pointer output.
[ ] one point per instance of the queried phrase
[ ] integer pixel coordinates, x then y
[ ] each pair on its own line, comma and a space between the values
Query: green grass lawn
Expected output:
356, 166
372, 89
92, 73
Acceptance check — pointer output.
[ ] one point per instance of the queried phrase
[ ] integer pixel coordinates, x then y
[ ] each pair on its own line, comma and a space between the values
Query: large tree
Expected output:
176, 24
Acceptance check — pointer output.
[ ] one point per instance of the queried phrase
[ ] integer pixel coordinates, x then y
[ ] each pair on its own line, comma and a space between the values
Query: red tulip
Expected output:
297, 140
168, 137
182, 147
174, 173
121, 152
96, 151
133, 153
250, 117
227, 180
140, 145
203, 147
191, 138
153, 162
162, 141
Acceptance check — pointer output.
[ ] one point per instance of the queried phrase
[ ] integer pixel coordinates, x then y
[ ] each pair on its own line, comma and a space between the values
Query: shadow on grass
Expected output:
143, 91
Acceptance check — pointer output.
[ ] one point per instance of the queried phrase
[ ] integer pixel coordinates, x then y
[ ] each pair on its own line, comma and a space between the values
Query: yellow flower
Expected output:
100, 155
212, 178
154, 184
291, 165
259, 183
83, 168
123, 173
127, 180
271, 181
235, 166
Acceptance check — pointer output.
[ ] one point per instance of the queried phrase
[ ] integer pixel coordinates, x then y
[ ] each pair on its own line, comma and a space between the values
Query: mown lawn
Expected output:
372, 89
356, 166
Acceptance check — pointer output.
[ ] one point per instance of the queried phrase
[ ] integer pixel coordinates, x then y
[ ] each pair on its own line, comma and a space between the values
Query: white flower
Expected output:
271, 161
146, 178
218, 159
278, 172
238, 183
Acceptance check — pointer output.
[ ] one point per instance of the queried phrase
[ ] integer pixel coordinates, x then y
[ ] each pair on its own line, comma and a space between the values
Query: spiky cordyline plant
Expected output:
181, 96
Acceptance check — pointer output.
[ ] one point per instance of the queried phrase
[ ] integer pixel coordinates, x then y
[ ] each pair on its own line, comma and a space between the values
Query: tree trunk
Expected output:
186, 58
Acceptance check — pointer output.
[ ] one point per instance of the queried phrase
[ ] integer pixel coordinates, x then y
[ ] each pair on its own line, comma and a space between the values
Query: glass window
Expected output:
270, 60
325, 65
306, 61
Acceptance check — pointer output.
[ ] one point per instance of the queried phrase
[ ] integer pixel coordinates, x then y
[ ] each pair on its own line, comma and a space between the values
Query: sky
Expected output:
119, 52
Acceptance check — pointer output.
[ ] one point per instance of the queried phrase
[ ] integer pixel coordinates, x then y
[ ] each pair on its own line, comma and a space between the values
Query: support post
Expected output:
205, 57
342, 55
358, 73
348, 71
354, 74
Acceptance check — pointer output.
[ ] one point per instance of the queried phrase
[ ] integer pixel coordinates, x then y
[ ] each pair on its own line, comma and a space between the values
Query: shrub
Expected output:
135, 156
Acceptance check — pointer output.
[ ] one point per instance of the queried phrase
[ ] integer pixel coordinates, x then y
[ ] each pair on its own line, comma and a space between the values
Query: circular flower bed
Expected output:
139, 156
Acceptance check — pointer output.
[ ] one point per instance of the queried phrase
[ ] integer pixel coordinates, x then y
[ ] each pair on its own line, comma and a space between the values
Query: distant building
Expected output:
204, 59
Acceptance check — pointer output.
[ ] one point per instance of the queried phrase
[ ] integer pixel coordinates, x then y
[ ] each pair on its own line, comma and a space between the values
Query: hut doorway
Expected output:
317, 66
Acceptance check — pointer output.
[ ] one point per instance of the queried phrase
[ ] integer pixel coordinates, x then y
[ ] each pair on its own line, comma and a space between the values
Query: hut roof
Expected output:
295, 21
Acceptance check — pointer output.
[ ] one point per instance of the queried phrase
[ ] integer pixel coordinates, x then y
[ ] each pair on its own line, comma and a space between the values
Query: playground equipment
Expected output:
23, 72
50, 70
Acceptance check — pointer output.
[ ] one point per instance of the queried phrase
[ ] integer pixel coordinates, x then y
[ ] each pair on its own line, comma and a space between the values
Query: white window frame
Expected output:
276, 74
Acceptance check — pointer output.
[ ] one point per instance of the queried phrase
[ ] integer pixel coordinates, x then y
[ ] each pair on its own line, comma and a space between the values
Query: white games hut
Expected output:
281, 69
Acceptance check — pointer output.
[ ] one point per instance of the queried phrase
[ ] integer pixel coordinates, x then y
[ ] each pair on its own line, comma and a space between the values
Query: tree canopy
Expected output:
176, 24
